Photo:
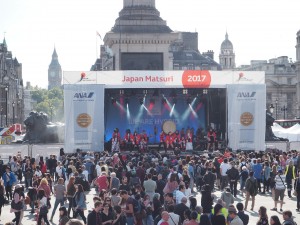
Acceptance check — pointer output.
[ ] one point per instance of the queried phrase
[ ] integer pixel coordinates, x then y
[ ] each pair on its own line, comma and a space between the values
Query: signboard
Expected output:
164, 79
84, 121
246, 116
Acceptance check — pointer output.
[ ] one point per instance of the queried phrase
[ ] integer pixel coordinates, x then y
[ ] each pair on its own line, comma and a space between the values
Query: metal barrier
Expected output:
295, 145
280, 145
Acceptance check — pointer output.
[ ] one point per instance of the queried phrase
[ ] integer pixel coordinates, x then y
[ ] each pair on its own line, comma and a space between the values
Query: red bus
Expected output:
287, 123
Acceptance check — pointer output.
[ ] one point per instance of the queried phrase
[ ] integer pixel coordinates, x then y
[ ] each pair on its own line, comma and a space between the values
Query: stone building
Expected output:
227, 55
54, 72
297, 64
141, 40
11, 88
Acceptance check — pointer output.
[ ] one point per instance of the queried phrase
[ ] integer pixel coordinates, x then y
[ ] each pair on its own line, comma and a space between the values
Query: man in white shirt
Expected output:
174, 218
85, 173
180, 194
59, 170
98, 169
224, 167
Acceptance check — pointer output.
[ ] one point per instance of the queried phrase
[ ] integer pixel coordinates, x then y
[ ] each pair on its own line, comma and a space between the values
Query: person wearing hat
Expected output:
235, 219
8, 179
279, 190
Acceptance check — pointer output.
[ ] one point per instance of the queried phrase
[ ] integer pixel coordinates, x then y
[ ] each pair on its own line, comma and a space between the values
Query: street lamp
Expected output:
51, 110
276, 107
271, 109
1, 116
13, 105
6, 102
284, 109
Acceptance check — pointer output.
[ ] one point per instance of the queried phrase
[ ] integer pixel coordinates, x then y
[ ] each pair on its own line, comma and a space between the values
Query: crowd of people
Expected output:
152, 188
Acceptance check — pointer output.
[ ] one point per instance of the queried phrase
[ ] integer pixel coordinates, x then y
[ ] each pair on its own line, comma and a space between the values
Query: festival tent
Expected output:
292, 133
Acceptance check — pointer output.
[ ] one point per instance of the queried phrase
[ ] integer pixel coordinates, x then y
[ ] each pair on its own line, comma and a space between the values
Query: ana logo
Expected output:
242, 77
246, 94
84, 95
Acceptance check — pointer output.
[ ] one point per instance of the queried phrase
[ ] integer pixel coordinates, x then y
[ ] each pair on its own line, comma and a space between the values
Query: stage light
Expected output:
205, 91
145, 92
141, 101
121, 92
185, 91
126, 101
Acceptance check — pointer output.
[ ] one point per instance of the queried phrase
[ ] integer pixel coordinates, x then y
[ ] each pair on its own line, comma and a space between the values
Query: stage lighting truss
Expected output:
205, 91
121, 92
185, 91
145, 92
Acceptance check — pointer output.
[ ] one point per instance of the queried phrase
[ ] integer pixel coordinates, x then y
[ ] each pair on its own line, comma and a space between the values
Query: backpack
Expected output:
137, 207
253, 188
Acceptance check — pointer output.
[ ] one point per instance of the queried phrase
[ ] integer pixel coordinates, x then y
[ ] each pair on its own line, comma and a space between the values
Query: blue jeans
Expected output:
129, 220
57, 201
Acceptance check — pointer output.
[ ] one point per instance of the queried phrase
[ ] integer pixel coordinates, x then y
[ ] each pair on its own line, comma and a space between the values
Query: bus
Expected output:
287, 123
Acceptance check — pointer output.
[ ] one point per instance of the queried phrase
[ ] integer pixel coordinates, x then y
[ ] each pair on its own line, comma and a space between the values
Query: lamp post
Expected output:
271, 109
6, 102
1, 115
284, 109
51, 111
276, 107
13, 105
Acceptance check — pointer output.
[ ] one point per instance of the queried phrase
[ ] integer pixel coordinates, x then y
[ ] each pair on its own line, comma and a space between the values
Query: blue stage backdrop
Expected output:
149, 114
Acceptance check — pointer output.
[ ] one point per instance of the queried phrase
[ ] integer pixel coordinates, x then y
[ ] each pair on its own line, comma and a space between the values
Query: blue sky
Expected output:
258, 29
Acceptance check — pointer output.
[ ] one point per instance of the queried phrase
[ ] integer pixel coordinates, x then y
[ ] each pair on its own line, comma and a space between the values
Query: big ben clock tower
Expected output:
54, 72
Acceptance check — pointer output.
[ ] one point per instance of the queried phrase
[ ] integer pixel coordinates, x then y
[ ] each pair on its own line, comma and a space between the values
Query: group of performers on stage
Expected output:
180, 141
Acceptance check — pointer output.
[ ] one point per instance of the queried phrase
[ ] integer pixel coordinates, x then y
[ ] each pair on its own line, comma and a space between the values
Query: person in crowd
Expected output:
71, 190
251, 190
9, 179
244, 217
224, 167
102, 181
235, 219
2, 197
266, 177
174, 218
106, 216
129, 201
180, 208
297, 191
227, 197
120, 217
168, 201
80, 203
288, 218
63, 215
17, 204
233, 177
150, 186
204, 220
206, 199
164, 218
257, 169
279, 190
180, 193
244, 174
263, 217
274, 220
74, 222
43, 207
59, 193
290, 174
44, 185
218, 218
209, 178
114, 181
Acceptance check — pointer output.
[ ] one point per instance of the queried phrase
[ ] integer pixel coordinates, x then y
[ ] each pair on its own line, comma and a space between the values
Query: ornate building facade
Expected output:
54, 72
11, 88
142, 40
227, 55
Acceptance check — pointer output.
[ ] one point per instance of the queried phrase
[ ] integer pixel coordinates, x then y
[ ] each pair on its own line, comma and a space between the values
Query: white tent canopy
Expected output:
292, 133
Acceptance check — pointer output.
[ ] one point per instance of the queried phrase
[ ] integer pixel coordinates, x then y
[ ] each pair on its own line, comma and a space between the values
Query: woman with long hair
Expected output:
79, 199
44, 185
107, 217
274, 220
71, 190
43, 208
17, 204
63, 216
263, 217
172, 184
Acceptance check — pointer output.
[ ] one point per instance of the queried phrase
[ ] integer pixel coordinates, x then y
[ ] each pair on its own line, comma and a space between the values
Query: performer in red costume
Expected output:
162, 141
169, 141
211, 137
128, 140
136, 140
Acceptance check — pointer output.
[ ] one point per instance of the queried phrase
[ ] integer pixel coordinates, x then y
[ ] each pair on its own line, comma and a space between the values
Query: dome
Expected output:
226, 44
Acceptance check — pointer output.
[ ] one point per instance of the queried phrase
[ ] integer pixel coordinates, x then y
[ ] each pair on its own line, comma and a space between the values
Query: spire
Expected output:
226, 35
4, 42
54, 54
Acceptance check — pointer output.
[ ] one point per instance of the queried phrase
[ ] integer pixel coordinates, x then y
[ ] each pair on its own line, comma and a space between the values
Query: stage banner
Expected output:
246, 116
84, 110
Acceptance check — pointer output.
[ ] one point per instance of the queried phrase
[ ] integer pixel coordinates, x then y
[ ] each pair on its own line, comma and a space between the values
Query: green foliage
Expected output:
50, 102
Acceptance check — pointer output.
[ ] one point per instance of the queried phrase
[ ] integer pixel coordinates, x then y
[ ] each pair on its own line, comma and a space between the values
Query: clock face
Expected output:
52, 74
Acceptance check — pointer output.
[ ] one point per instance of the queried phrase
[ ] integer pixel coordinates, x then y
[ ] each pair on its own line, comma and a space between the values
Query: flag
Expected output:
99, 34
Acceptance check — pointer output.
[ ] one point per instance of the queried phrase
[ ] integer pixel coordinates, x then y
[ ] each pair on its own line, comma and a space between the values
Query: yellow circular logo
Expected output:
246, 119
84, 120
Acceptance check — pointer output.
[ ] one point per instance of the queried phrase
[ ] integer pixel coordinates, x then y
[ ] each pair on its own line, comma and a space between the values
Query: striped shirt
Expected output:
279, 179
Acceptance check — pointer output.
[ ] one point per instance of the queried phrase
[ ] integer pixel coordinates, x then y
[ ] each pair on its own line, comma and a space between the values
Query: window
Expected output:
289, 81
